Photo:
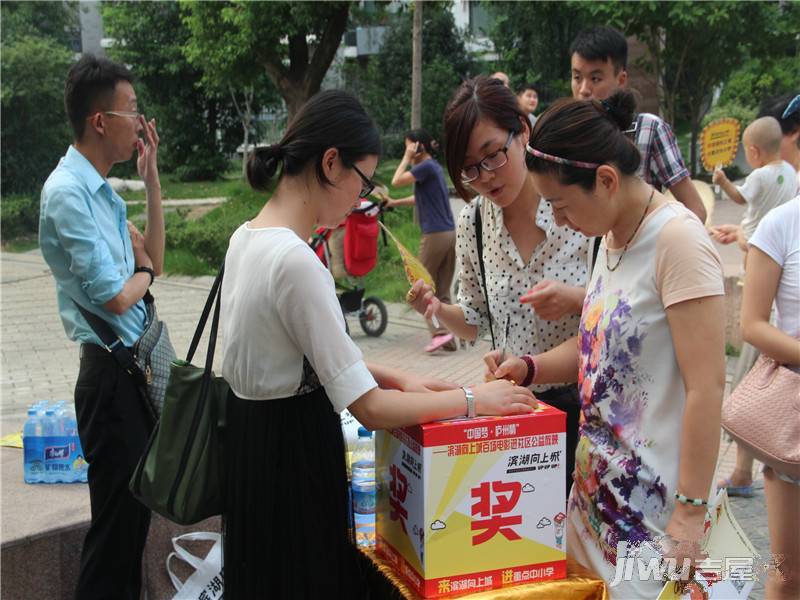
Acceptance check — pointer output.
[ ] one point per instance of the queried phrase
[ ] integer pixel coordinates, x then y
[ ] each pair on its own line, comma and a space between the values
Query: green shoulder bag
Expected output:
180, 473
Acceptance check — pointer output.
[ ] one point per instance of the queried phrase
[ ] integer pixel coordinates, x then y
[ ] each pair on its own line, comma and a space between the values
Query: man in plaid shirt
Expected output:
599, 57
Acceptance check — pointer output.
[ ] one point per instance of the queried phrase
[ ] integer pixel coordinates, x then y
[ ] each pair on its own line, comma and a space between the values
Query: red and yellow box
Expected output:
473, 504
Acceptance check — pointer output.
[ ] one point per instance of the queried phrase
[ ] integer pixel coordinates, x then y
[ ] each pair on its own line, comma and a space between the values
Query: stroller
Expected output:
350, 251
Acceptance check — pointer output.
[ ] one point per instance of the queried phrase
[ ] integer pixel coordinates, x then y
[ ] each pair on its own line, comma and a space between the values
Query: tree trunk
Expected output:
416, 68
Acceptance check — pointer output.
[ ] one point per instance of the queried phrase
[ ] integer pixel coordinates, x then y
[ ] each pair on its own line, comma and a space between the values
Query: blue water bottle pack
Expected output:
52, 449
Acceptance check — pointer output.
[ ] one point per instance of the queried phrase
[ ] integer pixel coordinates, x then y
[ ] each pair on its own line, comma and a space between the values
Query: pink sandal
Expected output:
438, 341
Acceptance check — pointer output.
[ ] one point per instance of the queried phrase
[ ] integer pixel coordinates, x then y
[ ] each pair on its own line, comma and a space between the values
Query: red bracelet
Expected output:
528, 359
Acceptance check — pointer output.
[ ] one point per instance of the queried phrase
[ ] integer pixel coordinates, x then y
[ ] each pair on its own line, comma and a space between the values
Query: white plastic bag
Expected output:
206, 583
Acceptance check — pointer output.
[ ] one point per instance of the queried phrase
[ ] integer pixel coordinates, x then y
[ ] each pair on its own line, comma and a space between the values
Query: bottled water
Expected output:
363, 488
52, 449
31, 440
363, 466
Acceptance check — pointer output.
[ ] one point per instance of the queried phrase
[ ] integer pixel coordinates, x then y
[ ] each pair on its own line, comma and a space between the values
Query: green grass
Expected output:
180, 261
22, 244
171, 188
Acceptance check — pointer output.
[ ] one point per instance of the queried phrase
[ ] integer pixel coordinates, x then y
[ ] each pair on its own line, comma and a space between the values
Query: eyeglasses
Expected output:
366, 184
131, 114
488, 163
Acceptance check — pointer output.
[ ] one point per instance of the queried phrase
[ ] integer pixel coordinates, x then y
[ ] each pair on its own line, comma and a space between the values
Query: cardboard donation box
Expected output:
473, 504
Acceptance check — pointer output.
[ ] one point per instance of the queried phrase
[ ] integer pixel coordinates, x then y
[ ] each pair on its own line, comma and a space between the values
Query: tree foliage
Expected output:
532, 40
384, 85
695, 46
36, 58
294, 43
150, 37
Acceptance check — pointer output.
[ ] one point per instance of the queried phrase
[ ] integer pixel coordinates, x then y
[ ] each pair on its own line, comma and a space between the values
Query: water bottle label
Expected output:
54, 459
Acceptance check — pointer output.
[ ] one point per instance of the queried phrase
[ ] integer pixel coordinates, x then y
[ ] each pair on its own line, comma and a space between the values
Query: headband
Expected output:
559, 160
793, 107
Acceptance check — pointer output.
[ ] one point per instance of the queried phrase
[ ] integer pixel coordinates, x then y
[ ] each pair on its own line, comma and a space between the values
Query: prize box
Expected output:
473, 504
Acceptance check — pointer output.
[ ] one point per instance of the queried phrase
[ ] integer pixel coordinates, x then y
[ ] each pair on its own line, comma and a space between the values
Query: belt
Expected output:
95, 351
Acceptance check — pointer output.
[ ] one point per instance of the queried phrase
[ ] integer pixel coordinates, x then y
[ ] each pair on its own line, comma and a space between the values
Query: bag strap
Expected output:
479, 241
201, 325
112, 342
595, 251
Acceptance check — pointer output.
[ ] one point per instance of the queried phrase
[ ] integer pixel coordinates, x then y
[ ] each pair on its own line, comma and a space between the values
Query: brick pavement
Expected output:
38, 362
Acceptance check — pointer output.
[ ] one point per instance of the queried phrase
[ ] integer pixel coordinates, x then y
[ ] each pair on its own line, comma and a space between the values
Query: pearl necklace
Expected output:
630, 239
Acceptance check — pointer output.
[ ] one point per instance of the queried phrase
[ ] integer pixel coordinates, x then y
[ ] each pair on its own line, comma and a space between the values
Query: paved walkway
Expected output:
38, 362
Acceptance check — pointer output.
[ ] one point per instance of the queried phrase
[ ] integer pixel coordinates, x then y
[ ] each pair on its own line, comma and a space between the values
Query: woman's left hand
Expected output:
685, 533
552, 300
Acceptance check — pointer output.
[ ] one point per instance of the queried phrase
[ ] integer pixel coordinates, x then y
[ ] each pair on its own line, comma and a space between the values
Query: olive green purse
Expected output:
180, 473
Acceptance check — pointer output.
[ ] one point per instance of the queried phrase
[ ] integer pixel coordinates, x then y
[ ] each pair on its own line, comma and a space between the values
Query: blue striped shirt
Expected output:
84, 238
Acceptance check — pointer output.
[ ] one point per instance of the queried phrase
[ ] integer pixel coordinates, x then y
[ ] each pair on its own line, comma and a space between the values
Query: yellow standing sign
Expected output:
719, 142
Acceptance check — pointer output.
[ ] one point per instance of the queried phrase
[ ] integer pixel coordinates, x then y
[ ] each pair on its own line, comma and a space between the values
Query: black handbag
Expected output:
149, 363
180, 473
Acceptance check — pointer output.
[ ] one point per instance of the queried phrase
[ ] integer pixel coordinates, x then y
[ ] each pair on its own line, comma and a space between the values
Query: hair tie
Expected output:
559, 160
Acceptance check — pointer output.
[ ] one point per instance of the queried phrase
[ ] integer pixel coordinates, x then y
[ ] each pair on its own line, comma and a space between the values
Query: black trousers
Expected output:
567, 399
113, 426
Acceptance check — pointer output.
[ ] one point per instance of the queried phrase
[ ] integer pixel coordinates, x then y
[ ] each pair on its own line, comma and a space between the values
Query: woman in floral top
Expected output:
649, 356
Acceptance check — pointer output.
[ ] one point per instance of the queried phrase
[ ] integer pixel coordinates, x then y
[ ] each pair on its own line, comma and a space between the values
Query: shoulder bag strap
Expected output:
479, 241
112, 342
215, 293
595, 251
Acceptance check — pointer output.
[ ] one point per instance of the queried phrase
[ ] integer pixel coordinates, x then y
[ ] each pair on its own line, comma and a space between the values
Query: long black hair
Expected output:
330, 119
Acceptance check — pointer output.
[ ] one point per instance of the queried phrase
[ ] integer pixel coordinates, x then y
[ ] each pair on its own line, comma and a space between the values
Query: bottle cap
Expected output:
364, 432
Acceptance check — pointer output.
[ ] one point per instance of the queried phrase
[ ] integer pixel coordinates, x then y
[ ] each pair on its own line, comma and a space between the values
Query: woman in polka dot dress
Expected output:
528, 258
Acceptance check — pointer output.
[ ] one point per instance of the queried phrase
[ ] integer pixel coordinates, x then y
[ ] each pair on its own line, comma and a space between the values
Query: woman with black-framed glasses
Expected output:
510, 252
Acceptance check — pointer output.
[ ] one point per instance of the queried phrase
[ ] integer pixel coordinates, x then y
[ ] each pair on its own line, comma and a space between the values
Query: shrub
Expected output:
19, 216
35, 133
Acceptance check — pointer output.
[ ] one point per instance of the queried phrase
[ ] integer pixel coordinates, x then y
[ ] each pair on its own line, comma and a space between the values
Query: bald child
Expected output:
772, 182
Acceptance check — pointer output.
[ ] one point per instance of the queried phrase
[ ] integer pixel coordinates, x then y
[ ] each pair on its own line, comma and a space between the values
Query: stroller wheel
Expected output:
373, 316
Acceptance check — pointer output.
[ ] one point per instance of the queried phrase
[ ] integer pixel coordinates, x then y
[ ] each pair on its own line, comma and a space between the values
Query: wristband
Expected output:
690, 501
147, 270
528, 360
470, 402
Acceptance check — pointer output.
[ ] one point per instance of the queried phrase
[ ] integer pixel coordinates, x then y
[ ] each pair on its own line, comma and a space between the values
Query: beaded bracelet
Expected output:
528, 360
691, 501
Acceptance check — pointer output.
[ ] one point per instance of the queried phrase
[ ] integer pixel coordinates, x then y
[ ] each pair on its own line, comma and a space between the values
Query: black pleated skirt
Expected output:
285, 523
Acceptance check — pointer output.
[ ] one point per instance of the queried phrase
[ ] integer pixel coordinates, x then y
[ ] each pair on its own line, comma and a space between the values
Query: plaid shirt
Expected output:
662, 164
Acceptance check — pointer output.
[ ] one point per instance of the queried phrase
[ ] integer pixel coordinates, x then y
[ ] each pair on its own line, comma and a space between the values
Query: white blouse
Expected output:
279, 305
561, 256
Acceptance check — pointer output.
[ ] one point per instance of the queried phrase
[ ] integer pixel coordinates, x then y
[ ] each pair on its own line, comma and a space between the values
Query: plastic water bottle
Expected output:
31, 436
49, 423
363, 488
70, 422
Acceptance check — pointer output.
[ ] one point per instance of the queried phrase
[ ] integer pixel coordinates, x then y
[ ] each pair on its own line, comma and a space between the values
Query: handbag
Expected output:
152, 354
763, 415
179, 475
206, 583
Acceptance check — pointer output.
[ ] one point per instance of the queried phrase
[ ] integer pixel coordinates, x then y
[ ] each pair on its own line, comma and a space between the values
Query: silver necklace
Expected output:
630, 239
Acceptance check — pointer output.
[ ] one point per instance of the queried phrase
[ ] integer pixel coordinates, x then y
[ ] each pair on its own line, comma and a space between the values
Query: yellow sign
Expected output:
719, 142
